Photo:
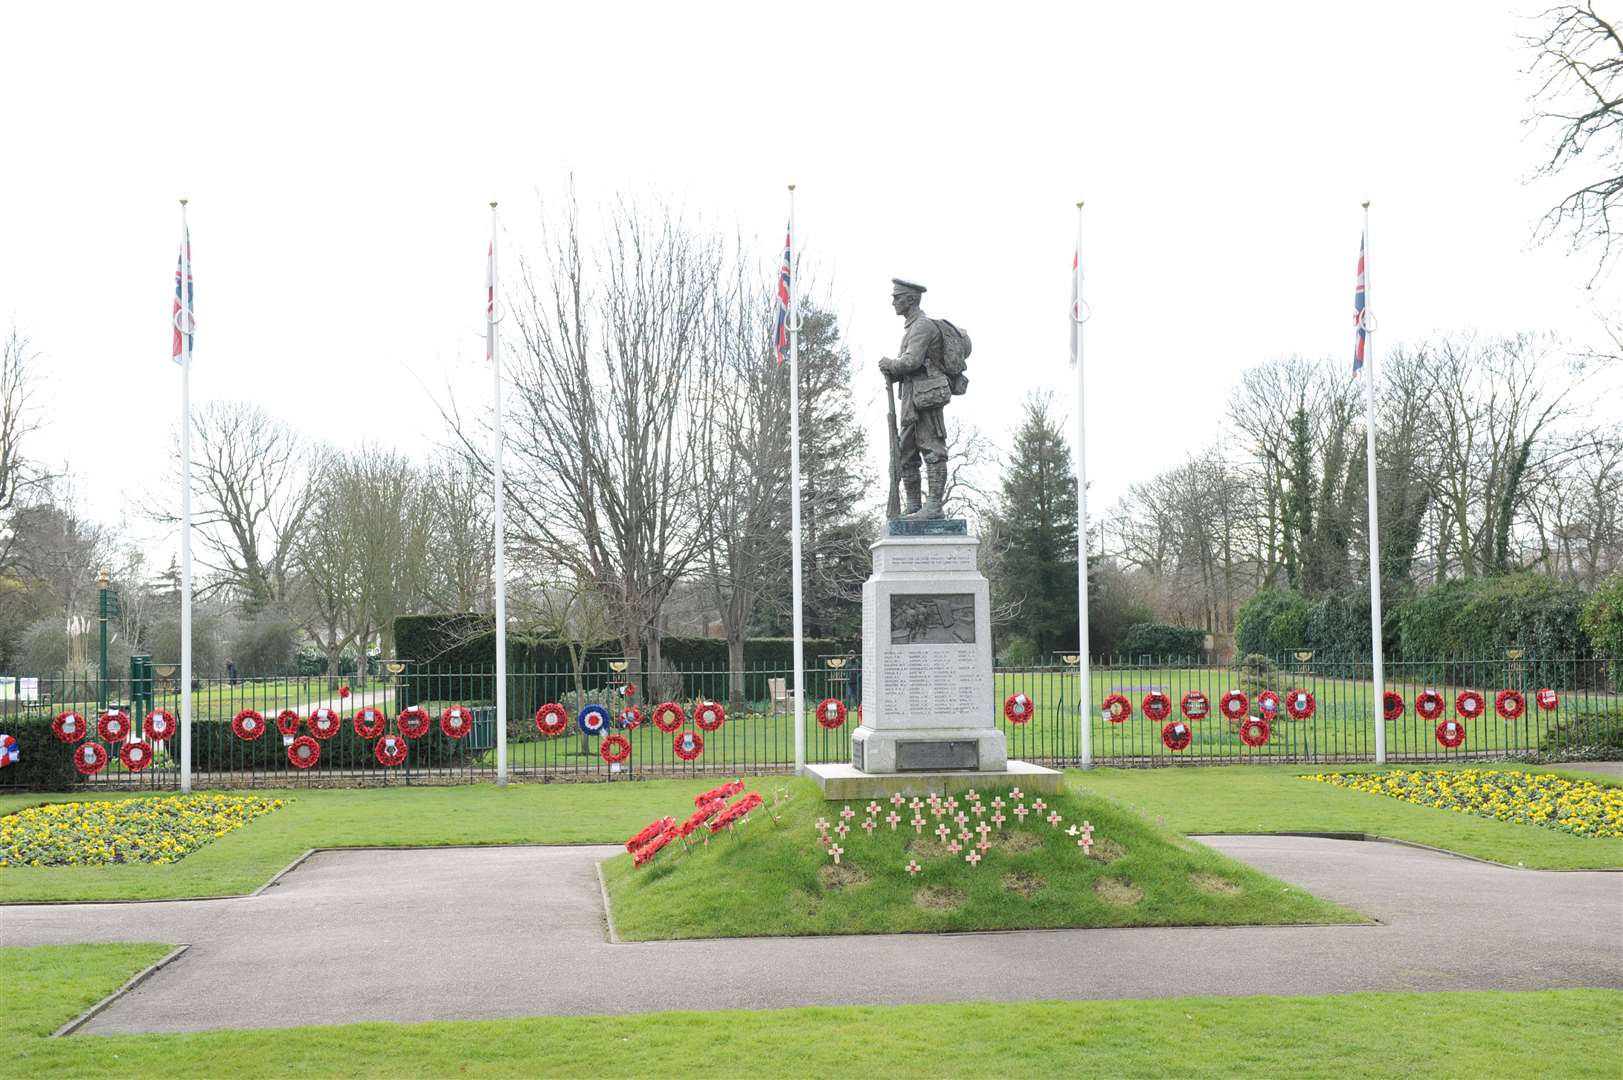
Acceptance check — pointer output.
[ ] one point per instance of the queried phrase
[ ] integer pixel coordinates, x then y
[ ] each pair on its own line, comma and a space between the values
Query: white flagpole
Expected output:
1085, 696
185, 323
794, 491
493, 354
1374, 519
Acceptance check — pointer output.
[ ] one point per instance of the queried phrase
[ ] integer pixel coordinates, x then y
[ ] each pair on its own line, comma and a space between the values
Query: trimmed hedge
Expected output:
1162, 640
45, 763
1272, 622
1478, 618
216, 748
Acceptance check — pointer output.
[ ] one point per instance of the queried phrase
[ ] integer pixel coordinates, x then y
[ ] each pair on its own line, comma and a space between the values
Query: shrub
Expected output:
1273, 622
1588, 736
1478, 618
1163, 641
267, 644
1019, 652
1258, 673
1603, 621
45, 764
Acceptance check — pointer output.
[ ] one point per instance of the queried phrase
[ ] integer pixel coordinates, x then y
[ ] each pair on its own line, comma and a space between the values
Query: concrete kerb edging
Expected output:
608, 909
136, 980
1372, 838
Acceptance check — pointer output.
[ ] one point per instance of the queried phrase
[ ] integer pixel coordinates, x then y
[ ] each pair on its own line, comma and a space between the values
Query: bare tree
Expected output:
19, 419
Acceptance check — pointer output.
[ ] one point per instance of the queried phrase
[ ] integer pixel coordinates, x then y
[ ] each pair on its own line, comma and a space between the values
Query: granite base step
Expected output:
848, 782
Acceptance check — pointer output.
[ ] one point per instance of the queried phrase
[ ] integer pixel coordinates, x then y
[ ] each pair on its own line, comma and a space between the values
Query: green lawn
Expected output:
1152, 878
1264, 799
1573, 1033
219, 700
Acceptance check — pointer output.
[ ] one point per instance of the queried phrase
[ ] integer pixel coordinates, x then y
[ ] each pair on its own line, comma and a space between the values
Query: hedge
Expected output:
1478, 618
45, 762
215, 747
1272, 622
1163, 640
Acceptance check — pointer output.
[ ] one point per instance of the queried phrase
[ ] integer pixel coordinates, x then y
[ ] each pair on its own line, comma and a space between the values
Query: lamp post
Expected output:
107, 606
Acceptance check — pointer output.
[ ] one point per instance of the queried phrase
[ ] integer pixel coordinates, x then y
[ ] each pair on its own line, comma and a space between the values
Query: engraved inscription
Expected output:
918, 755
923, 562
932, 618
939, 681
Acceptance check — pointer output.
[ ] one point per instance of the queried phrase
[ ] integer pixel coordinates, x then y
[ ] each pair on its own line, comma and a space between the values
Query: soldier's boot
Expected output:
910, 489
931, 510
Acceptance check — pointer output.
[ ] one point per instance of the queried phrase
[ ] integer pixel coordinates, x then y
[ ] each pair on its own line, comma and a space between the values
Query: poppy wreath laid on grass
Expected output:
1156, 705
668, 716
1017, 708
1429, 704
1469, 704
135, 756
1547, 699
1509, 704
1234, 704
287, 722
631, 718
709, 716
551, 719
1392, 705
303, 752
90, 758
370, 722
1450, 733
456, 721
248, 725
413, 721
324, 723
1255, 731
700, 816
68, 726
615, 749
831, 713
160, 724
723, 793
114, 725
1195, 705
1300, 704
592, 720
649, 831
1176, 735
390, 751
1268, 704
687, 745
1116, 708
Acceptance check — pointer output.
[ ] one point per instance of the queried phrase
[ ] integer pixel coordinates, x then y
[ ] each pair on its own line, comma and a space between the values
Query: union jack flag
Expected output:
781, 337
183, 260
1358, 310
490, 293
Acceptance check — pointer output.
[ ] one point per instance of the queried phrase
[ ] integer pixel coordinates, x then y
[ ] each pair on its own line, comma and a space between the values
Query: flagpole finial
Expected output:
1366, 204
791, 187
493, 204
1079, 204
184, 201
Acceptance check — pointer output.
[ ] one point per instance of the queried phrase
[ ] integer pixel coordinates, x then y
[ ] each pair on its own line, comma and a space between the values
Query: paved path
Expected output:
1611, 769
499, 932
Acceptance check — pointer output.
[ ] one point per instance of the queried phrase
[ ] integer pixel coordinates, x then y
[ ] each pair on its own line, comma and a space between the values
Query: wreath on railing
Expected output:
1548, 699
370, 722
831, 713
1429, 704
628, 689
1392, 705
1469, 704
1300, 704
668, 716
1017, 708
1268, 705
1195, 705
709, 716
1450, 733
630, 718
68, 726
324, 723
615, 749
687, 745
1234, 704
1175, 735
390, 751
303, 752
1156, 705
552, 719
456, 721
1509, 704
1116, 708
1255, 731
90, 758
413, 721
248, 725
160, 724
114, 725
135, 756
287, 722
592, 720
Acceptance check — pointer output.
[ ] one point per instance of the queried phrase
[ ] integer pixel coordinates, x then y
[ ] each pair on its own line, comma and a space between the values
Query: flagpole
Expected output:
1085, 696
794, 491
186, 323
493, 354
1376, 652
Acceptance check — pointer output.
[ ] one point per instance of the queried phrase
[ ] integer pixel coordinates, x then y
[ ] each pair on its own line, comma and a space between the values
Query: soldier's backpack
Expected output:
955, 349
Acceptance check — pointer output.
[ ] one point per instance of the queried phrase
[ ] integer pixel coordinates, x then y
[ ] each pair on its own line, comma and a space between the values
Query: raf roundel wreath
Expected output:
688, 745
1548, 698
615, 749
287, 722
1268, 704
1234, 704
135, 756
631, 718
551, 719
1195, 705
1509, 704
831, 713
114, 725
303, 752
592, 720
1116, 708
1450, 733
1255, 731
370, 722
1176, 735
160, 724
1300, 704
1157, 706
324, 723
1429, 704
1017, 708
90, 758
709, 716
413, 721
668, 716
1392, 705
390, 750
1469, 703
248, 724
456, 721
68, 726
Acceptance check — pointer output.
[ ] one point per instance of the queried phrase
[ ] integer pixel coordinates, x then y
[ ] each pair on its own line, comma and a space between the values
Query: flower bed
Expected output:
156, 829
1575, 806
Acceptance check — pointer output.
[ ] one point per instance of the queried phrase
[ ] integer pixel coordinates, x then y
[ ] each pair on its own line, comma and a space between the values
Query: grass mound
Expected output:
775, 877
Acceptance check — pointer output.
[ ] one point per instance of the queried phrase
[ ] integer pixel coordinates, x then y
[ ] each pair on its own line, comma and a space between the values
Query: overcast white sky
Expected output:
340, 159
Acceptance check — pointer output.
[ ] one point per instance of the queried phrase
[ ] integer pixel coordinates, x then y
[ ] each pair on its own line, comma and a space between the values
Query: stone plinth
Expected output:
849, 782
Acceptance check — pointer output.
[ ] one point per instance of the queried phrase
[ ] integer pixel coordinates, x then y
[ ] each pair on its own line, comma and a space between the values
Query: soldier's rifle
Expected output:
893, 505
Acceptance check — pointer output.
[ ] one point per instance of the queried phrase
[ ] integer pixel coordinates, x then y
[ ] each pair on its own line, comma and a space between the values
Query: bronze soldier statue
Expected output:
924, 368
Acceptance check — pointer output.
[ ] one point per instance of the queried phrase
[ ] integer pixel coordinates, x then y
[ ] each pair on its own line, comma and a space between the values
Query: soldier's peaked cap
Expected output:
905, 284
